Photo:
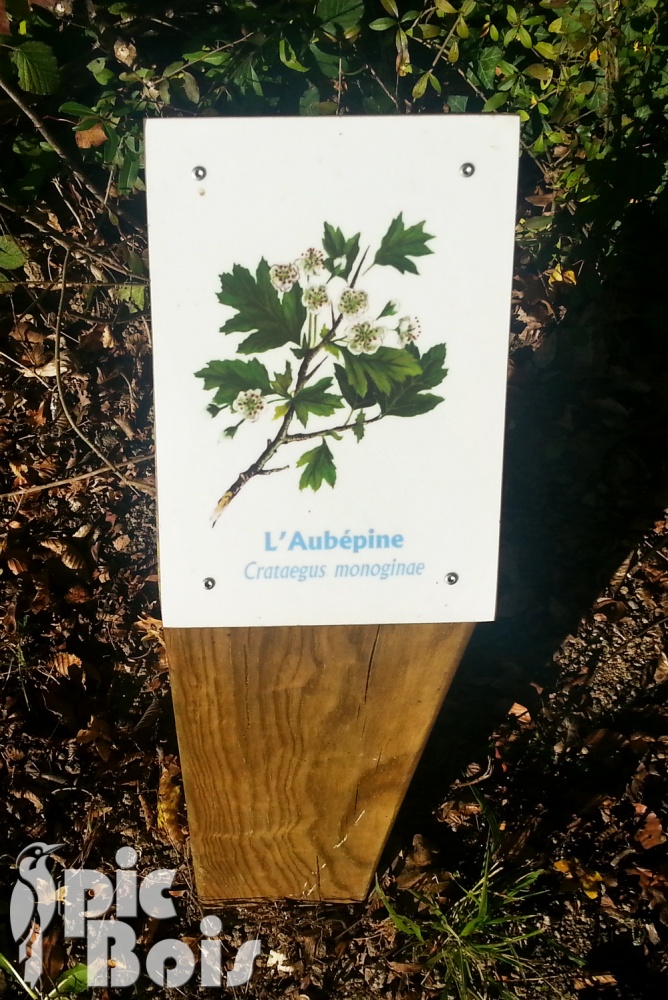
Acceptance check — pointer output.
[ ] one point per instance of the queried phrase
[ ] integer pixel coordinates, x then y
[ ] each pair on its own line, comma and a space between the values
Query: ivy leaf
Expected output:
37, 68
486, 69
318, 468
340, 252
316, 400
400, 243
276, 322
383, 369
231, 377
11, 254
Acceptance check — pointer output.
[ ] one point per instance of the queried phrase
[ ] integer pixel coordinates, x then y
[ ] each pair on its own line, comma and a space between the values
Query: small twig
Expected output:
61, 394
66, 242
31, 372
74, 479
64, 155
45, 284
382, 86
308, 435
192, 62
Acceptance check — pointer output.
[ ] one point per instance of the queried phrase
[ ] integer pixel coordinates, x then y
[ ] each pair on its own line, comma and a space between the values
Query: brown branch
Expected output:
282, 437
66, 242
309, 435
61, 394
64, 155
74, 479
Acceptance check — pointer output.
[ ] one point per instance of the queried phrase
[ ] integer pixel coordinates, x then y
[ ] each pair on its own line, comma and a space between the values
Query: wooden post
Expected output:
297, 746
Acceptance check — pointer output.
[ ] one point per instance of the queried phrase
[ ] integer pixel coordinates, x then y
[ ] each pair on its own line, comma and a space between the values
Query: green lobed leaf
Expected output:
338, 248
384, 368
37, 68
318, 467
258, 308
400, 243
11, 254
230, 377
409, 398
486, 68
316, 400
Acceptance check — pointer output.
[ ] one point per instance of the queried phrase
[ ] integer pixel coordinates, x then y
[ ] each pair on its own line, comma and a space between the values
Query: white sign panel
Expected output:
330, 301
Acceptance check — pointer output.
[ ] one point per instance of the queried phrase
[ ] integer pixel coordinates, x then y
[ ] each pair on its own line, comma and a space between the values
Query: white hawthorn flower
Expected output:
353, 302
312, 262
408, 330
283, 276
315, 298
364, 338
249, 404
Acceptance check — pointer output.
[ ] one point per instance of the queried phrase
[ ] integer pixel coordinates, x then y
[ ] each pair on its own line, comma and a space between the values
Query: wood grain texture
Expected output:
297, 746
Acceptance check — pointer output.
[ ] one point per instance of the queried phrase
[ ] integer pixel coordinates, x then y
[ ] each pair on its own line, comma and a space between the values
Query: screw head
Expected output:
467, 170
209, 583
452, 578
199, 173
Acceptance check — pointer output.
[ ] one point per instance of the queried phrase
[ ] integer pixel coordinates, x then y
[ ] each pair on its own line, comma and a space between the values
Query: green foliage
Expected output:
313, 309
319, 468
11, 255
74, 980
37, 68
233, 376
276, 322
399, 244
589, 82
475, 944
316, 400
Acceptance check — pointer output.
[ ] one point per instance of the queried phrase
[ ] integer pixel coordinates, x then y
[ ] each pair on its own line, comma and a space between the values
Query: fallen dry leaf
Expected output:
62, 662
169, 800
521, 713
651, 834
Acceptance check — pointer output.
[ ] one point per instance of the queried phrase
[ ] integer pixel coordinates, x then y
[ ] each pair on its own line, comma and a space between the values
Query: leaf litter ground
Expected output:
554, 736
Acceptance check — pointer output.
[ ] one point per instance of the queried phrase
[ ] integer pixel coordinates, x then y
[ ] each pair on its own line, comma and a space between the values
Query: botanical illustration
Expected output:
346, 362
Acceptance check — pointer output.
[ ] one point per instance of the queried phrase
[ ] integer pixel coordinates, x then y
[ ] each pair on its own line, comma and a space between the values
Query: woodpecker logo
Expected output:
84, 897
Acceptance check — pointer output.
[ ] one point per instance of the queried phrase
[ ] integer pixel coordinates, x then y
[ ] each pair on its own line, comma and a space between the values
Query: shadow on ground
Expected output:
585, 478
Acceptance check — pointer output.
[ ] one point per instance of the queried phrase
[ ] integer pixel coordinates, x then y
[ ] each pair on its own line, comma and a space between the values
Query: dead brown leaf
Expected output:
64, 664
91, 137
651, 834
125, 52
169, 800
99, 734
455, 813
521, 713
69, 555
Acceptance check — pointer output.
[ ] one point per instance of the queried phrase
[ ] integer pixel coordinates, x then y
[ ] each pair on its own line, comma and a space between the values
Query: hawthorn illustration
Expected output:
316, 310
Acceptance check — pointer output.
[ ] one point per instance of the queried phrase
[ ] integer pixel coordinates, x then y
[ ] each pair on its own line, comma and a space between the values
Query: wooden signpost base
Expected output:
297, 747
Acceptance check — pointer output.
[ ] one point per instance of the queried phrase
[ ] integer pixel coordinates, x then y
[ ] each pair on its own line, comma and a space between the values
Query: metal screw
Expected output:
199, 173
467, 170
209, 583
452, 578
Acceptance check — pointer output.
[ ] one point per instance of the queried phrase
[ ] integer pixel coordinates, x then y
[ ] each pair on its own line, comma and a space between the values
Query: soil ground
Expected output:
555, 732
